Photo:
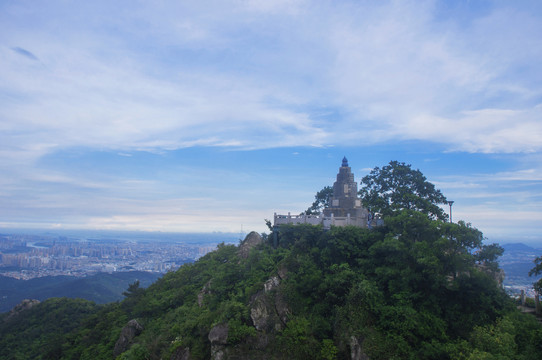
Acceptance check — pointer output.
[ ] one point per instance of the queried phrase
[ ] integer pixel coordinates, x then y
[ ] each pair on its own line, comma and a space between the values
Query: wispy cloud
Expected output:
481, 131
25, 53
393, 69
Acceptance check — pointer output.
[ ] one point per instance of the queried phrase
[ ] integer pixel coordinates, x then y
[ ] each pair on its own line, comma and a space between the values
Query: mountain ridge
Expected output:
346, 293
100, 288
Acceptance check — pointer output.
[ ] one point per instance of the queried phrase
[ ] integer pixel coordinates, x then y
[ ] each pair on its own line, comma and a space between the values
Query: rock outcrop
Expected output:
268, 310
252, 240
24, 305
262, 313
271, 284
127, 335
269, 313
218, 336
356, 349
206, 290
282, 272
181, 354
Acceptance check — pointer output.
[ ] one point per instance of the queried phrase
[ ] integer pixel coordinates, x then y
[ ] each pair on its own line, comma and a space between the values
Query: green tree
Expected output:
537, 285
296, 339
487, 255
537, 270
133, 290
321, 201
397, 187
462, 239
494, 341
329, 350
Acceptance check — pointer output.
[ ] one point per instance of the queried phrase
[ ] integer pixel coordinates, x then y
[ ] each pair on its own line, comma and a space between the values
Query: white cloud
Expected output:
258, 75
505, 205
482, 131
247, 75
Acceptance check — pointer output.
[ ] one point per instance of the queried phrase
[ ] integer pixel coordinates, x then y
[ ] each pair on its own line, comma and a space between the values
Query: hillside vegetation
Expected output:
412, 289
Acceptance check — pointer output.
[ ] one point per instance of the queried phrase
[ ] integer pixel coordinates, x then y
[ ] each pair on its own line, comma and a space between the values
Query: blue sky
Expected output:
212, 115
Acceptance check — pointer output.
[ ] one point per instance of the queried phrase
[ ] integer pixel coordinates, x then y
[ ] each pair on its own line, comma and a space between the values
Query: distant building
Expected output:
345, 209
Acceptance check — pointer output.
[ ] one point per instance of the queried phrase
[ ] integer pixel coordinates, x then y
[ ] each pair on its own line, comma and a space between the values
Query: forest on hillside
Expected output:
412, 289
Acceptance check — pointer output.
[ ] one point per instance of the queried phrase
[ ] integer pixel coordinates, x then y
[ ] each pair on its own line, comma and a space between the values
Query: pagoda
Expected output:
345, 205
345, 202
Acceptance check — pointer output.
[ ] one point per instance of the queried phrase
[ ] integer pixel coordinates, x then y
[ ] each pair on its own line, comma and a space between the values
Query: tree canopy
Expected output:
396, 187
321, 201
537, 270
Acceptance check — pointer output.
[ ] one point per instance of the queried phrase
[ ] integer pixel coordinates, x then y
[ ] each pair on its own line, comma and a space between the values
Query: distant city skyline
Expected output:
211, 116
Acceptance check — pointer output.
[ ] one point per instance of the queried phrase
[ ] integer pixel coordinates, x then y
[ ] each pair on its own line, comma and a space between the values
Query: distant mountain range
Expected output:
100, 288
516, 262
520, 247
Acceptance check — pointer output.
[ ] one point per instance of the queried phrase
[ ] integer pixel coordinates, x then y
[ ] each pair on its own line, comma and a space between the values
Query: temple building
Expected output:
345, 208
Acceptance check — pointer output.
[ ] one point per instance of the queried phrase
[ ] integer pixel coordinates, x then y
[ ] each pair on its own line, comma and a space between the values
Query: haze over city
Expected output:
211, 116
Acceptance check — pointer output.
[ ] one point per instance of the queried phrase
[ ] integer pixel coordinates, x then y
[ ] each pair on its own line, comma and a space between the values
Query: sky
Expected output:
210, 116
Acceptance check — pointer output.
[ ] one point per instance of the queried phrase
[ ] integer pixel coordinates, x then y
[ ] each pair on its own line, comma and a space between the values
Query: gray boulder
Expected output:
127, 335
252, 240
356, 349
181, 354
218, 336
24, 305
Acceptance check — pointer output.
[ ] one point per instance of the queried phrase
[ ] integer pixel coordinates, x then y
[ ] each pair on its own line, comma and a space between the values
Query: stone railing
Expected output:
297, 219
326, 221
